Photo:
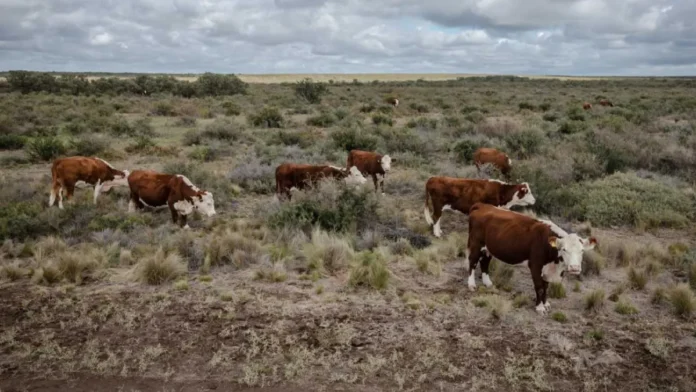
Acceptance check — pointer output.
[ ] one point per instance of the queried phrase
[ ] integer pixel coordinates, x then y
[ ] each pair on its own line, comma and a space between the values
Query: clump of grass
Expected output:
520, 300
595, 335
592, 263
658, 347
233, 248
273, 274
181, 285
319, 289
328, 254
659, 296
47, 274
77, 266
559, 316
594, 301
653, 268
692, 275
205, 278
159, 268
428, 262
625, 308
401, 247
556, 290
502, 275
369, 270
683, 300
411, 300
576, 287
12, 272
497, 305
45, 149
637, 279
268, 117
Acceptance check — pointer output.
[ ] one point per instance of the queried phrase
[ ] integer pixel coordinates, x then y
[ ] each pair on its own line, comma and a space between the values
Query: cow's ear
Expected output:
553, 241
590, 244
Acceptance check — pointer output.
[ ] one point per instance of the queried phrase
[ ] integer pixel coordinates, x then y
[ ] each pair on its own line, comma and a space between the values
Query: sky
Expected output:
523, 37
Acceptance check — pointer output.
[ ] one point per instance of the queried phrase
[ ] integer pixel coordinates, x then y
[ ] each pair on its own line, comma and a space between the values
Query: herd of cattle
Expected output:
494, 229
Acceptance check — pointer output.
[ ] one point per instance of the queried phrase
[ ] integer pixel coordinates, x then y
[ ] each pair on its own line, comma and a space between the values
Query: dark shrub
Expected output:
89, 145
45, 149
163, 109
551, 117
524, 143
464, 150
351, 138
310, 91
419, 107
379, 119
323, 120
367, 108
268, 117
254, 177
223, 129
12, 142
186, 121
527, 106
570, 127
210, 84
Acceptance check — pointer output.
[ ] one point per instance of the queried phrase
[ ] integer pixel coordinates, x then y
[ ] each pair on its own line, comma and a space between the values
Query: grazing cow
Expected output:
448, 193
393, 101
370, 163
606, 102
587, 106
66, 173
153, 189
497, 158
299, 176
514, 238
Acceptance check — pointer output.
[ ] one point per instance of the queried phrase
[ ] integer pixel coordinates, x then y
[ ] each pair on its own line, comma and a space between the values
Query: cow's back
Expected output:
365, 161
461, 193
77, 168
149, 184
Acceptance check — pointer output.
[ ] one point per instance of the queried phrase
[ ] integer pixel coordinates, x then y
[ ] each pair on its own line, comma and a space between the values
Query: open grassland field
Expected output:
343, 289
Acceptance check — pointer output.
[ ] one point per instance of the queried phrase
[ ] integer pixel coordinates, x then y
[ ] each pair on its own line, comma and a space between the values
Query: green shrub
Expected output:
401, 140
464, 150
524, 143
570, 127
163, 108
350, 138
45, 149
89, 145
310, 91
626, 199
268, 117
419, 107
379, 119
559, 316
186, 121
526, 106
204, 153
551, 117
231, 109
423, 123
323, 120
12, 142
367, 108
222, 129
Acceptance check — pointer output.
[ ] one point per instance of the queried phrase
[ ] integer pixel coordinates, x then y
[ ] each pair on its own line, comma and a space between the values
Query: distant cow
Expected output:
153, 189
299, 176
448, 193
514, 238
393, 101
606, 102
495, 157
66, 173
587, 106
372, 164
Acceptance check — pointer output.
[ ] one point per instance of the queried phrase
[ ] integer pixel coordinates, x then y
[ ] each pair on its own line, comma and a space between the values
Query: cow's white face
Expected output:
355, 177
385, 162
570, 250
206, 204
523, 197
119, 180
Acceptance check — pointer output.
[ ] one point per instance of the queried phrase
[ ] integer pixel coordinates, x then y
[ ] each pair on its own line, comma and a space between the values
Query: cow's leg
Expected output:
485, 263
97, 189
55, 190
474, 256
134, 202
69, 190
545, 284
175, 213
381, 183
539, 287
182, 222
374, 180
437, 215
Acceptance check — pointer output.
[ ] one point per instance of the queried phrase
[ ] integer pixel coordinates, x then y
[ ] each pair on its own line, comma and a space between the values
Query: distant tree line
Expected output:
208, 84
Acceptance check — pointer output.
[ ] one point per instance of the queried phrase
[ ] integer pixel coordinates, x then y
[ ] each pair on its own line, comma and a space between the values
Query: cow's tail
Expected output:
426, 208
55, 186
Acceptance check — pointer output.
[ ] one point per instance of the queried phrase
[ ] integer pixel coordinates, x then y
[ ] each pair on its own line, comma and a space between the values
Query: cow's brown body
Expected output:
153, 189
369, 163
514, 238
67, 172
300, 176
494, 157
587, 106
393, 101
461, 194
606, 102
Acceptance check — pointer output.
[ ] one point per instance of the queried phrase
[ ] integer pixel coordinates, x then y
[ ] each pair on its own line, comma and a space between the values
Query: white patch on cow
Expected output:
155, 207
524, 263
446, 207
547, 305
188, 182
396, 102
437, 232
187, 226
386, 163
472, 281
527, 200
554, 228
551, 272
541, 309
355, 177
428, 216
498, 181
206, 204
509, 161
570, 249
131, 206
183, 207
105, 162
486, 280
97, 188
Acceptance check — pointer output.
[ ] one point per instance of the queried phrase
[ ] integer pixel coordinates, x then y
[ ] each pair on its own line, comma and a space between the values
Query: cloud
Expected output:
577, 37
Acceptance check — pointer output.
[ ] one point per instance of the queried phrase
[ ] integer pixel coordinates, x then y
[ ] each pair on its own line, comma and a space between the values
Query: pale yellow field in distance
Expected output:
366, 77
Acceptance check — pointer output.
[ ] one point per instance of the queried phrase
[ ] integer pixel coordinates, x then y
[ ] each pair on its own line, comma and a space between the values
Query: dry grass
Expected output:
637, 279
556, 290
683, 300
594, 301
159, 268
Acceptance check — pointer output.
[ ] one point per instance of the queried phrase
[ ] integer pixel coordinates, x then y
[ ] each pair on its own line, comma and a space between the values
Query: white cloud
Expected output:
261, 36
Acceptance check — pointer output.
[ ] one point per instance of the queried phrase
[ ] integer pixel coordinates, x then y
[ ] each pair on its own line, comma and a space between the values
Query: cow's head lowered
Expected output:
521, 195
352, 176
120, 178
195, 199
570, 249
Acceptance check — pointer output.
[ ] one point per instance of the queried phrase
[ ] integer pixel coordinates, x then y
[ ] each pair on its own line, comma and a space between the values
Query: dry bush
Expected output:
328, 254
159, 268
683, 300
592, 263
271, 272
501, 274
233, 248
594, 301
369, 270
626, 308
428, 261
637, 279
13, 271
496, 304
81, 264
556, 290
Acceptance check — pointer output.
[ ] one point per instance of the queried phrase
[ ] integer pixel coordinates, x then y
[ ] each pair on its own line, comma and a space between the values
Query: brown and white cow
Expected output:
495, 157
156, 190
606, 102
449, 193
517, 239
66, 173
372, 164
299, 176
393, 101
587, 106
